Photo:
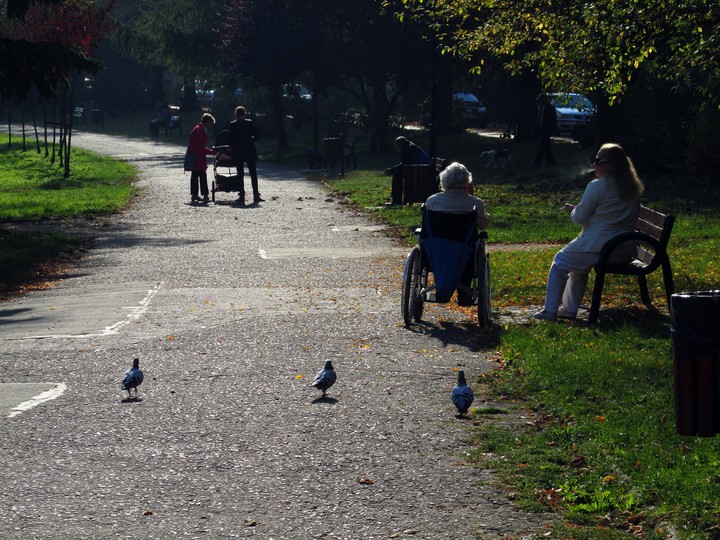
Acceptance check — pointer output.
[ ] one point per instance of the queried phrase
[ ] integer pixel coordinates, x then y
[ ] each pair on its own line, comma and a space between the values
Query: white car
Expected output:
575, 112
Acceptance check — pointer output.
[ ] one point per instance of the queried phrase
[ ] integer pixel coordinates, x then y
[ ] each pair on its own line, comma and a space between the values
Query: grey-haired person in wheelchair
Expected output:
457, 197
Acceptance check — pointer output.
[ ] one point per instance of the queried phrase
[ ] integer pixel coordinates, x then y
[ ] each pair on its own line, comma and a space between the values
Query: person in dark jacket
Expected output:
197, 147
546, 127
242, 136
410, 154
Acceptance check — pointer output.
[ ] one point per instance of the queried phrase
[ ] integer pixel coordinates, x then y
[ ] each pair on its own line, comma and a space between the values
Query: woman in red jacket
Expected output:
197, 147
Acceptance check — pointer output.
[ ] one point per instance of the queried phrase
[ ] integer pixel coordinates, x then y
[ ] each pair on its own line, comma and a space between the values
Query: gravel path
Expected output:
231, 311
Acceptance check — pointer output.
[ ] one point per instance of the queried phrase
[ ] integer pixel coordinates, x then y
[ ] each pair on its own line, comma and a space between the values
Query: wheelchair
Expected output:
450, 255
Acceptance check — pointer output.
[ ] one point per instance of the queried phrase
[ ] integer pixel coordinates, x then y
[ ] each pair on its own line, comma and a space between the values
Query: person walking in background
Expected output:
546, 127
410, 154
609, 206
242, 135
197, 151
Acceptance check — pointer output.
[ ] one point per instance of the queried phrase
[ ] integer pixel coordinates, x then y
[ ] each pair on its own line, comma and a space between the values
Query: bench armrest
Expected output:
638, 237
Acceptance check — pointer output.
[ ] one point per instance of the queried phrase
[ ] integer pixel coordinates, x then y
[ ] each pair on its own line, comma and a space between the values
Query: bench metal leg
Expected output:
596, 297
644, 293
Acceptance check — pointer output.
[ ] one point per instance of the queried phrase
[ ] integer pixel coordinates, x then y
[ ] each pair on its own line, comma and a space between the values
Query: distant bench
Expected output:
174, 123
170, 124
652, 233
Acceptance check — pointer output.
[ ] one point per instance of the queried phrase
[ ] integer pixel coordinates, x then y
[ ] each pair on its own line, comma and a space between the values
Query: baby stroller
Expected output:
449, 245
224, 163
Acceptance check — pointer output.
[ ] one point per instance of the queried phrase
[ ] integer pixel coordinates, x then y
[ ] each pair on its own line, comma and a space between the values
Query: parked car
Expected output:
203, 91
471, 108
575, 112
296, 91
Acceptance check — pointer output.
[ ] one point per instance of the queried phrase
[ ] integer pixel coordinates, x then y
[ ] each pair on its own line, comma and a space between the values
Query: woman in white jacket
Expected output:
609, 206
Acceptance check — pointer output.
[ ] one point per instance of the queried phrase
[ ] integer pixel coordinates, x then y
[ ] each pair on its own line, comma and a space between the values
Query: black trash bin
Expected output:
695, 331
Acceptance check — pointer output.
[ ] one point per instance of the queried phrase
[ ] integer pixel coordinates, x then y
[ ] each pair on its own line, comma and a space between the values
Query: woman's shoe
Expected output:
545, 316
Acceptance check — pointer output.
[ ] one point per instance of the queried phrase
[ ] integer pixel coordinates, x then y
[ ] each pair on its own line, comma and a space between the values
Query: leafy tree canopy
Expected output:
586, 46
43, 43
178, 34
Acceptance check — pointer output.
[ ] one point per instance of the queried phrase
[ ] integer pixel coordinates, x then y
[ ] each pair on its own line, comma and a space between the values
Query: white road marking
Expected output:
135, 312
53, 393
263, 254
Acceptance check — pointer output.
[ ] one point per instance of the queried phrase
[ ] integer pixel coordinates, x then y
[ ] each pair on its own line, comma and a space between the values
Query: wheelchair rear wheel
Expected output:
483, 289
411, 301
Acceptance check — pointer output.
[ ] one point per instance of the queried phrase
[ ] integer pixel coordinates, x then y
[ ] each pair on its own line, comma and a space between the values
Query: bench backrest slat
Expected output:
652, 229
655, 224
644, 255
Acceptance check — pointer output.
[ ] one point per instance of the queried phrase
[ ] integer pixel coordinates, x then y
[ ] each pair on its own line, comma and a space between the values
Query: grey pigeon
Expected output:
325, 378
133, 378
462, 394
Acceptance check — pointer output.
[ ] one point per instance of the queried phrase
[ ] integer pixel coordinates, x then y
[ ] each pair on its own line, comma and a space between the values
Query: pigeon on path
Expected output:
133, 378
325, 378
462, 394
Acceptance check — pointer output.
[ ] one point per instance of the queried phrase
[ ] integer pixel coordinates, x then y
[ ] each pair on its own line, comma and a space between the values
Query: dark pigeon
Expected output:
325, 378
462, 394
133, 378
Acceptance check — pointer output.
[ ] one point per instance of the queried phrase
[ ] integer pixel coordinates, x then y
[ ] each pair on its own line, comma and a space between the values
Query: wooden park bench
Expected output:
175, 122
652, 232
421, 181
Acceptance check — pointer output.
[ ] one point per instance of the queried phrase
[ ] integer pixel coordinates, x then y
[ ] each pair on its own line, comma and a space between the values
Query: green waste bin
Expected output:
695, 332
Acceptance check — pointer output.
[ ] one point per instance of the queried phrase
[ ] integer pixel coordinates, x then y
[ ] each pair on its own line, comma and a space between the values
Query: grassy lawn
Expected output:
33, 189
575, 420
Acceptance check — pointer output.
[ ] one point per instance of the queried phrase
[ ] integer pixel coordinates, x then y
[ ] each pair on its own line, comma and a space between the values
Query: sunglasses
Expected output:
597, 161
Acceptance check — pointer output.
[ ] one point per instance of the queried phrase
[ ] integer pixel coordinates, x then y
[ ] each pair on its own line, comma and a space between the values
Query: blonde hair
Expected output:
622, 171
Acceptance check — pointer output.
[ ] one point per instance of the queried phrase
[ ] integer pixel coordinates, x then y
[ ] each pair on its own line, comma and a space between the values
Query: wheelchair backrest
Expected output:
447, 242
459, 227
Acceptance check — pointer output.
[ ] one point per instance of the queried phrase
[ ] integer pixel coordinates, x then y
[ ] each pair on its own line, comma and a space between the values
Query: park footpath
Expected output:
232, 310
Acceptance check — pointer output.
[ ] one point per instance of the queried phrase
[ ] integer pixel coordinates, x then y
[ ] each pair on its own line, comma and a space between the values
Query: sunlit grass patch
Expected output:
602, 447
32, 187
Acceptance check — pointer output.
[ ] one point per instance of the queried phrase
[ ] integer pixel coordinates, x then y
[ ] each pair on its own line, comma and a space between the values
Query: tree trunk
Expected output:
189, 100
279, 116
379, 112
